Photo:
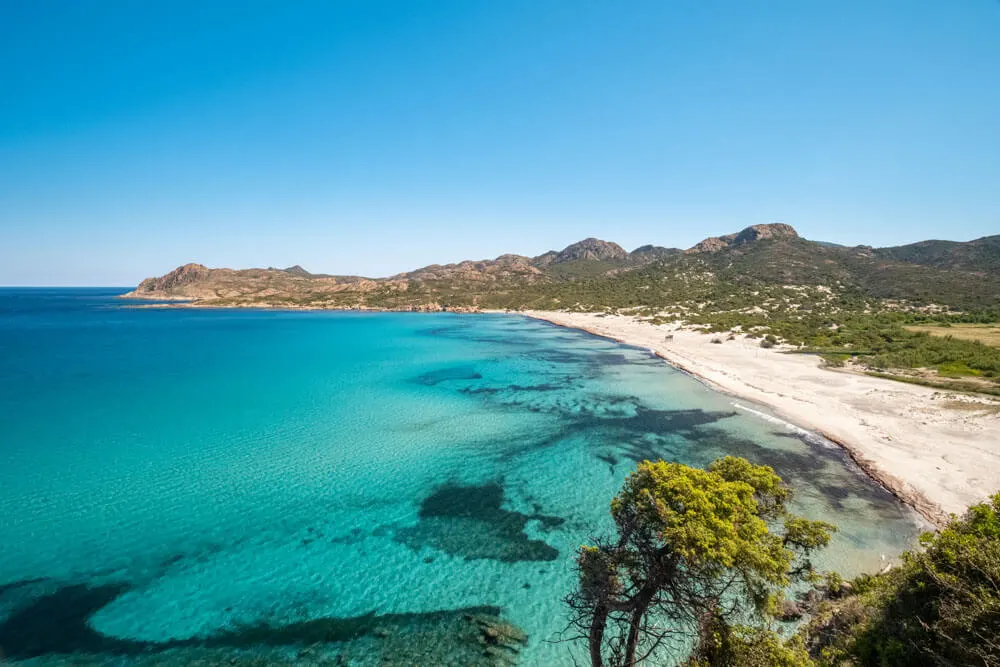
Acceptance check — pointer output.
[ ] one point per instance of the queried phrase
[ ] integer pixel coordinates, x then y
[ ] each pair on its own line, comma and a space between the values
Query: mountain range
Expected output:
595, 273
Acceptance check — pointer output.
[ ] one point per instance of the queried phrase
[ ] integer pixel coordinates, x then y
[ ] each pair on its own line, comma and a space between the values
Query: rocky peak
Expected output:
182, 275
297, 271
592, 249
751, 234
775, 230
865, 250
510, 258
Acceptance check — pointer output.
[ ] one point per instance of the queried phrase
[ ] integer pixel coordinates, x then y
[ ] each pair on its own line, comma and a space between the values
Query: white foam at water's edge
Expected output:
811, 436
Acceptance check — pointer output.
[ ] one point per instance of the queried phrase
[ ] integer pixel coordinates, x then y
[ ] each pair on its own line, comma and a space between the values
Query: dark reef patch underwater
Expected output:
54, 629
269, 488
470, 522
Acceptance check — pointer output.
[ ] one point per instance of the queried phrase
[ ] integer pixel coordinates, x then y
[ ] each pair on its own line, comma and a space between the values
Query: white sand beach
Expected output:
938, 451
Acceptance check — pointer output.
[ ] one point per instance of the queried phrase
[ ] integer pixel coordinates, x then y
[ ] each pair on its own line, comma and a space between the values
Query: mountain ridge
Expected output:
982, 254
750, 234
958, 273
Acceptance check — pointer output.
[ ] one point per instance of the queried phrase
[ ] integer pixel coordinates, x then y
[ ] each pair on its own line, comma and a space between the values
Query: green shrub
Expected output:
940, 607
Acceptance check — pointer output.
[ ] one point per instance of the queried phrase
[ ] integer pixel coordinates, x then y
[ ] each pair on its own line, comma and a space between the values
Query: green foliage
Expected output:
691, 545
770, 492
757, 647
806, 534
898, 348
598, 573
730, 279
708, 520
874, 340
979, 255
940, 607
989, 315
747, 646
951, 386
834, 583
833, 308
835, 359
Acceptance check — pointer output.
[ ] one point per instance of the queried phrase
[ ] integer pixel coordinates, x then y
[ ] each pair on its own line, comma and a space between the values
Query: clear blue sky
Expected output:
372, 137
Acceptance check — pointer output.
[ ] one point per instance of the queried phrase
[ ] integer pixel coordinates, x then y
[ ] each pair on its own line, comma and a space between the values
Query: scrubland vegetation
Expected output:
839, 323
940, 606
702, 560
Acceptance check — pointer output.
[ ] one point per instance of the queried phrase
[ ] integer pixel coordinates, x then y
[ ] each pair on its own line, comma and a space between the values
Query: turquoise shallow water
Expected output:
243, 483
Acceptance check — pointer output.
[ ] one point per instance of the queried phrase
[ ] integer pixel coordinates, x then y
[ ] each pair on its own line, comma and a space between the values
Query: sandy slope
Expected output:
938, 457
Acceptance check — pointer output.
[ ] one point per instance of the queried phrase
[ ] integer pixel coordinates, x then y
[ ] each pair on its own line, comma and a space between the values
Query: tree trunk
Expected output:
633, 638
641, 603
597, 627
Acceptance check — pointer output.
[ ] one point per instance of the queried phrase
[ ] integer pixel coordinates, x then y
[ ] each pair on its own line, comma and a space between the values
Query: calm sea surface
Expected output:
181, 484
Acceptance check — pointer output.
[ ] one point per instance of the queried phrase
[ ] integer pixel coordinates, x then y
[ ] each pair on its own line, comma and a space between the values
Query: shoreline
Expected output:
912, 440
922, 506
197, 303
934, 450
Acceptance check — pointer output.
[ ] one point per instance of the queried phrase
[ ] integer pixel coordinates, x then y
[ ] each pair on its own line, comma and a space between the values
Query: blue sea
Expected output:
263, 487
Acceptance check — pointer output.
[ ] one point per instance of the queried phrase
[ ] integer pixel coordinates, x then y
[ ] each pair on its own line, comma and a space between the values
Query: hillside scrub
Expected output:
941, 606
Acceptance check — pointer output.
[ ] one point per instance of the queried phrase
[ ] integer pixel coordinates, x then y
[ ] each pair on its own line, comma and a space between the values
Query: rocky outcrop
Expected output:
197, 282
789, 610
776, 230
178, 278
712, 244
545, 259
508, 267
749, 235
503, 268
591, 249
651, 253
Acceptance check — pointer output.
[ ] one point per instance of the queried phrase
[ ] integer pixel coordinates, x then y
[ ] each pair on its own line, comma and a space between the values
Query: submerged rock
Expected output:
789, 611
54, 631
470, 522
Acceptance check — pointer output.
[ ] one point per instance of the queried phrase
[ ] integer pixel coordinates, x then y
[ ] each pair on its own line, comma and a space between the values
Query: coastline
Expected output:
936, 451
200, 303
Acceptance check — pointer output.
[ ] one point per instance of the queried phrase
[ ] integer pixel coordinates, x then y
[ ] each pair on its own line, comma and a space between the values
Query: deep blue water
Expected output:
239, 483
